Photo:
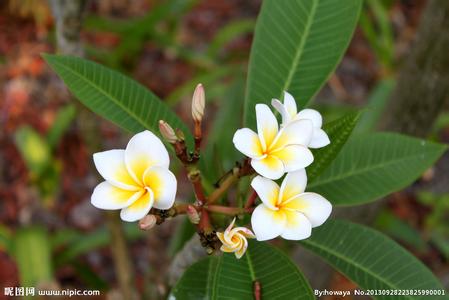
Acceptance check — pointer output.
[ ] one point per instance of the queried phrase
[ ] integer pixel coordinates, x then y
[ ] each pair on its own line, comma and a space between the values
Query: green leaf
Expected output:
113, 96
296, 47
370, 259
338, 132
61, 123
226, 277
228, 33
400, 230
78, 244
377, 101
374, 165
34, 267
34, 150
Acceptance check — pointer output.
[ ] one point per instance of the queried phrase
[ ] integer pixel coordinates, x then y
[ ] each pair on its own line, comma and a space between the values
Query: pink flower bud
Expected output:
193, 214
167, 132
198, 103
147, 222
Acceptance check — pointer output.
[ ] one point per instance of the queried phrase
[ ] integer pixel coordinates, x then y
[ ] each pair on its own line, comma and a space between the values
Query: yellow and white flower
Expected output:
274, 152
289, 112
287, 211
136, 179
234, 239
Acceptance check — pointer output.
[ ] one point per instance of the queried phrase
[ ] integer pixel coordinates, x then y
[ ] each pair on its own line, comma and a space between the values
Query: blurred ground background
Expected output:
46, 174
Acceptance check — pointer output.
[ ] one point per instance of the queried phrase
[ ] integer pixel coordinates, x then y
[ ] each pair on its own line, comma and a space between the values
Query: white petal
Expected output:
267, 190
316, 208
267, 125
247, 141
282, 110
111, 166
270, 167
319, 139
294, 157
139, 209
290, 105
145, 150
163, 184
107, 196
311, 115
267, 224
298, 132
293, 184
297, 227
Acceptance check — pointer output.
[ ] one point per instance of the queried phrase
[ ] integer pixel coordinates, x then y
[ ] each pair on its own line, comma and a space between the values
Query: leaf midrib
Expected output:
367, 169
102, 91
354, 263
300, 49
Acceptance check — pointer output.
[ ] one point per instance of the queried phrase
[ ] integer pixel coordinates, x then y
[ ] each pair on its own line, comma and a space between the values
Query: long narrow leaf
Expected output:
372, 260
113, 96
297, 45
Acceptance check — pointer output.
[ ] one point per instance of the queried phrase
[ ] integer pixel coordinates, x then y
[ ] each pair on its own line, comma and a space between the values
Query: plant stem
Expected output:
251, 199
230, 178
123, 267
232, 211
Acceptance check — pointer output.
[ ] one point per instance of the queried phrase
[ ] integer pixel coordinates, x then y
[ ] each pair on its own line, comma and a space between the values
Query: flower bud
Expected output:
193, 214
198, 103
167, 132
147, 222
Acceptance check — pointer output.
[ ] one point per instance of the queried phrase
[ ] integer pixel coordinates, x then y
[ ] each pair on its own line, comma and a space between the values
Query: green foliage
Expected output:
220, 151
400, 230
370, 259
34, 150
338, 132
228, 33
62, 122
378, 30
374, 165
36, 266
78, 243
225, 277
377, 101
114, 96
297, 45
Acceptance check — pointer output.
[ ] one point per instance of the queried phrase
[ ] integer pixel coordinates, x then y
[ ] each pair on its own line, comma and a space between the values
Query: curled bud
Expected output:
147, 222
193, 214
198, 103
167, 132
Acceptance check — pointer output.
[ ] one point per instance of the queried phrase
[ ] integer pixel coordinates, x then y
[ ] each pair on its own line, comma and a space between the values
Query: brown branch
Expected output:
230, 179
232, 211
251, 199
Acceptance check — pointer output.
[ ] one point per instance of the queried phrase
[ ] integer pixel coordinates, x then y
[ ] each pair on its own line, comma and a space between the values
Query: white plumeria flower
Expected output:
287, 211
234, 240
274, 152
289, 112
136, 179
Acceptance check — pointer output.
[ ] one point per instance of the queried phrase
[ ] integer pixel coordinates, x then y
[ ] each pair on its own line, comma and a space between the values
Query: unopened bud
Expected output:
198, 103
167, 132
147, 222
193, 214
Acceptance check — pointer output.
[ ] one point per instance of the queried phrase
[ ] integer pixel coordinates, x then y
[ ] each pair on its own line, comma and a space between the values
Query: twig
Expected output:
251, 199
229, 179
120, 253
